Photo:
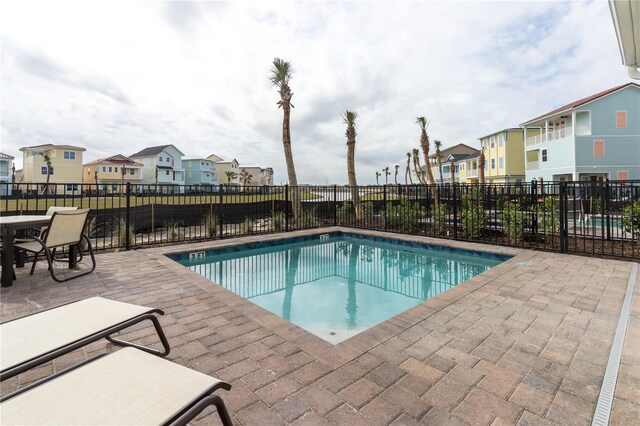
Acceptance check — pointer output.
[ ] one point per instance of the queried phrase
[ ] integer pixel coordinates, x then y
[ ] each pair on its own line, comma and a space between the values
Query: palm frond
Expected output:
349, 118
423, 123
281, 71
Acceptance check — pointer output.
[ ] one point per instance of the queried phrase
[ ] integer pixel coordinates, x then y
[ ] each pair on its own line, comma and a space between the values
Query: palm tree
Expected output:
452, 169
47, 160
395, 177
123, 170
386, 175
424, 144
377, 178
280, 75
407, 171
438, 145
245, 177
481, 163
230, 175
349, 118
416, 165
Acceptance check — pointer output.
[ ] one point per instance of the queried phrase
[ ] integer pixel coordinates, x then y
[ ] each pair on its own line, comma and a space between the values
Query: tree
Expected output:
407, 172
280, 75
47, 160
123, 170
349, 118
438, 145
245, 177
386, 175
453, 170
481, 164
424, 144
230, 175
377, 178
416, 166
395, 177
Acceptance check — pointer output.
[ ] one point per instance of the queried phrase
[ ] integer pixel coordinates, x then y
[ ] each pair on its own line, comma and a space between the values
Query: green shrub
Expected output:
439, 216
277, 221
308, 218
345, 211
172, 228
472, 214
210, 223
631, 220
367, 210
548, 216
513, 221
405, 216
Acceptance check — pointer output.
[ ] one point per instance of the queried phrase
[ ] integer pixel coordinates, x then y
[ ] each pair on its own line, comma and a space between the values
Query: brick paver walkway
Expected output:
526, 342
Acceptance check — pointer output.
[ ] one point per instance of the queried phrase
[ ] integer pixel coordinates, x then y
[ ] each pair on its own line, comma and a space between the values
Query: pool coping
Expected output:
348, 350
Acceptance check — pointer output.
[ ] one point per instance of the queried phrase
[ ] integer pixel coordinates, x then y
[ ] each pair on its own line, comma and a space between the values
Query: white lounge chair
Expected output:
127, 387
66, 229
35, 339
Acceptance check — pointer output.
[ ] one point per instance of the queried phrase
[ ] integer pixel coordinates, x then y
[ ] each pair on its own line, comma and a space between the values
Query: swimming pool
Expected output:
340, 284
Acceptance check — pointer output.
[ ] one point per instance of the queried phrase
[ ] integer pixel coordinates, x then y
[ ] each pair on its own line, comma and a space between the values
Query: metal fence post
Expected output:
384, 206
455, 211
286, 208
607, 207
335, 205
127, 239
563, 217
220, 213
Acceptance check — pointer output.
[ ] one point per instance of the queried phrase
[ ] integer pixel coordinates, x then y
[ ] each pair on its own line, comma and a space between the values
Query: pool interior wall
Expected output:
339, 284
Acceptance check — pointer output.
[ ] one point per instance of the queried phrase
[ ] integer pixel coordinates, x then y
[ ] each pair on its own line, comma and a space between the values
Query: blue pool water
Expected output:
340, 284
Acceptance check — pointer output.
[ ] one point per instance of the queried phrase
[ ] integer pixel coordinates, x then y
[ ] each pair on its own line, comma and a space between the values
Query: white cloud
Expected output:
118, 76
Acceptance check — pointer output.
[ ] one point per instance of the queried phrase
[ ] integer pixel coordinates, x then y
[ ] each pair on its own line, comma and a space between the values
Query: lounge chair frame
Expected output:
181, 418
105, 333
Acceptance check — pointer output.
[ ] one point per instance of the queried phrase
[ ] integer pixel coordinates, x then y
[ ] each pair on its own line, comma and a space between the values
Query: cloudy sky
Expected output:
118, 76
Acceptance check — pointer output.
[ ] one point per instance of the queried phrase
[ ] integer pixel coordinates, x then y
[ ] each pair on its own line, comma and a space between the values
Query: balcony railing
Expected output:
472, 173
550, 136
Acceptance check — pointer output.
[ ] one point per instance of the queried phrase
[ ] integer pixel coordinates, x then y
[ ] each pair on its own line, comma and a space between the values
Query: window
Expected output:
104, 168
486, 165
160, 159
110, 169
168, 160
115, 169
493, 141
167, 172
544, 155
622, 175
445, 169
493, 163
598, 148
43, 170
69, 155
89, 171
72, 188
501, 139
621, 118
132, 172
500, 162
457, 168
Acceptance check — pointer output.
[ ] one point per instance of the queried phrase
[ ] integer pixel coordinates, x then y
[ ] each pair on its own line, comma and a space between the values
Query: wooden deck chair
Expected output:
66, 229
30, 341
124, 387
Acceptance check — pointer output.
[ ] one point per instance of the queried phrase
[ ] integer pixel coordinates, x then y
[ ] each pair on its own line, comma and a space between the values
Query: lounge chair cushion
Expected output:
126, 387
35, 335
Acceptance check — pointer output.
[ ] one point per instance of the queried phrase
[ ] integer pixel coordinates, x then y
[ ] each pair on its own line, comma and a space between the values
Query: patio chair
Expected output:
30, 341
124, 387
66, 229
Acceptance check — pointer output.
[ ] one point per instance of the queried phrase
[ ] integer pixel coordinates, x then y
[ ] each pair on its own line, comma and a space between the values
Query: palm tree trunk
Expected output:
407, 173
440, 168
351, 175
288, 156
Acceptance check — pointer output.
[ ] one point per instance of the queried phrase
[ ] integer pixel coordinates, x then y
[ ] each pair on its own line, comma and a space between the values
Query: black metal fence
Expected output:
597, 218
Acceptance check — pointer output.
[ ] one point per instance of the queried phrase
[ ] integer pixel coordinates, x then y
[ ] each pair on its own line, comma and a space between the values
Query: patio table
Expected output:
8, 227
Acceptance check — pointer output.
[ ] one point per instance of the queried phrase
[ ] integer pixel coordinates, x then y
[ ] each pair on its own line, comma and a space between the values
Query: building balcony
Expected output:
533, 165
557, 134
472, 173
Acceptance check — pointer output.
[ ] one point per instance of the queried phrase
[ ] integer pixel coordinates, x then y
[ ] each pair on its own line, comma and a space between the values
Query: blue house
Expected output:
6, 174
200, 173
591, 139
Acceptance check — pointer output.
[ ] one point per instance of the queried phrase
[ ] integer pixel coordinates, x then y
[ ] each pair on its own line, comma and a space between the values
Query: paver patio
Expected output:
526, 342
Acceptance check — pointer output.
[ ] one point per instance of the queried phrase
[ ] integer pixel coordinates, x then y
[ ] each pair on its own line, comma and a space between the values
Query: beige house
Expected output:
260, 176
65, 174
111, 172
223, 166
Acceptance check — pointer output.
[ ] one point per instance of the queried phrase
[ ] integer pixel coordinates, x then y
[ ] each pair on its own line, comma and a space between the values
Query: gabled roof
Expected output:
115, 159
460, 157
49, 146
153, 150
4, 156
580, 102
452, 150
500, 131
